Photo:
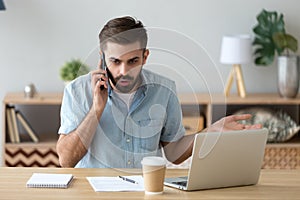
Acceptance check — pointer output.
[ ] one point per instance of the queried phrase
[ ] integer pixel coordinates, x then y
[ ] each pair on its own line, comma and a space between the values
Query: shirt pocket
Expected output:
150, 131
150, 127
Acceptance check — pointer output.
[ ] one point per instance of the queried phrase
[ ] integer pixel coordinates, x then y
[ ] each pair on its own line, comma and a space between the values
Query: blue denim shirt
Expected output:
123, 137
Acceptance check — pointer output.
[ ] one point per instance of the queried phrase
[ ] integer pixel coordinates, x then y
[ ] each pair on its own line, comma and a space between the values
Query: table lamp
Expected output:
236, 50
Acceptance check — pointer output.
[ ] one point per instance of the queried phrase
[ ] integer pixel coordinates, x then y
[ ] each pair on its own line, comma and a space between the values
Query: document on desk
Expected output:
115, 184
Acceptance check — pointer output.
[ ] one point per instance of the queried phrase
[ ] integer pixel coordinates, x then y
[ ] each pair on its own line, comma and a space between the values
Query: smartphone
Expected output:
103, 66
109, 75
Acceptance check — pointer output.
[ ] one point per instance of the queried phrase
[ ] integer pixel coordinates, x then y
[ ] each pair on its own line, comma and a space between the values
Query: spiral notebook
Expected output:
45, 180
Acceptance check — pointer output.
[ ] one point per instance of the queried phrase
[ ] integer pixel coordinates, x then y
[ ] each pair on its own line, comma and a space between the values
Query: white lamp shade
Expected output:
236, 49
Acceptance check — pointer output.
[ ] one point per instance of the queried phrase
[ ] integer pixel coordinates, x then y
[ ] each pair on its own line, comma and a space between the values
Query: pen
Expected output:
127, 179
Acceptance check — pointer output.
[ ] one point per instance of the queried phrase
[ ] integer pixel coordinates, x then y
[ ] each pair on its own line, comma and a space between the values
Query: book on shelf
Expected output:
46, 180
15, 124
10, 128
26, 126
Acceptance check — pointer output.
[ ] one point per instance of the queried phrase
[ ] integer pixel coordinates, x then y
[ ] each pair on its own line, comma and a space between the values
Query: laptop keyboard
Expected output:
179, 181
182, 183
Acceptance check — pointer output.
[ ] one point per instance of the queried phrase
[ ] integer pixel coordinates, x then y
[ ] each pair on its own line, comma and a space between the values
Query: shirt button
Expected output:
128, 140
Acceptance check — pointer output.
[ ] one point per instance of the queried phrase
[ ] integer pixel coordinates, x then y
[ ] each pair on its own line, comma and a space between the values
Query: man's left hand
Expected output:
230, 123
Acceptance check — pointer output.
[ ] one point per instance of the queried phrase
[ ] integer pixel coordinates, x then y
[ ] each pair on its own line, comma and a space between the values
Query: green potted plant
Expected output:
271, 40
72, 69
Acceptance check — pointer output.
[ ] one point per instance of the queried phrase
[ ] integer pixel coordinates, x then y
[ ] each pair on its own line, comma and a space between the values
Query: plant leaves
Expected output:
269, 22
72, 69
264, 60
292, 43
285, 41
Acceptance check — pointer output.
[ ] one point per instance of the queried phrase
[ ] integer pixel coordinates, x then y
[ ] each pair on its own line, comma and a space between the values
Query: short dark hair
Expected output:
123, 30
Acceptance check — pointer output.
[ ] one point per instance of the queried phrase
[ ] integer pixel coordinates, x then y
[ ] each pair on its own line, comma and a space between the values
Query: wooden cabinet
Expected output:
215, 106
198, 109
27, 153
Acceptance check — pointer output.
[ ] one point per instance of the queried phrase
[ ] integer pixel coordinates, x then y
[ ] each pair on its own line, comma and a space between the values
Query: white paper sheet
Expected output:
108, 184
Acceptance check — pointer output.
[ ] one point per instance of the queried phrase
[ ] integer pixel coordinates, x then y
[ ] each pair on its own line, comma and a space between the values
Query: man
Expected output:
113, 117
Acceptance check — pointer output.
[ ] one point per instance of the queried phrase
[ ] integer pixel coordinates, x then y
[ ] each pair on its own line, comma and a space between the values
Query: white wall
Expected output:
38, 36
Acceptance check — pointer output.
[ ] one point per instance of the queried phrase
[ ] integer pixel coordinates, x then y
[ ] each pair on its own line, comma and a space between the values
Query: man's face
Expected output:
125, 63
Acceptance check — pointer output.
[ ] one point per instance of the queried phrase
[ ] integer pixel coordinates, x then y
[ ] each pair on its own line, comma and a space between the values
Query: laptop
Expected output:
224, 159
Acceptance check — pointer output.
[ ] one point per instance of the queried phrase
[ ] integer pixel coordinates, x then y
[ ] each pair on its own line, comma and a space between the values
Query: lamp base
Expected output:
236, 72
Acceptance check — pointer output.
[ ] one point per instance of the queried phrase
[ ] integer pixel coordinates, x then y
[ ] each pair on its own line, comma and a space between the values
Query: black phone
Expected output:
104, 67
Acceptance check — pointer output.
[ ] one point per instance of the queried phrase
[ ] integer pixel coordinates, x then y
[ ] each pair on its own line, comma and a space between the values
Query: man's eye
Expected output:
133, 61
116, 62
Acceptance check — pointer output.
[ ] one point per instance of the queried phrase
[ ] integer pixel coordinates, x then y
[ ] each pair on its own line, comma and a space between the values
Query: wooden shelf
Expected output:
45, 139
32, 144
38, 99
210, 100
253, 98
27, 153
278, 155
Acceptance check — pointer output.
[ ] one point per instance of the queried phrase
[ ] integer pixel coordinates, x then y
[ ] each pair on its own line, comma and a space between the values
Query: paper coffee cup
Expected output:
154, 169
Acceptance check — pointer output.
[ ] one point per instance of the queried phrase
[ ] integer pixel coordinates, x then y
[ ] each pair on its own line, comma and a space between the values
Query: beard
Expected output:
132, 82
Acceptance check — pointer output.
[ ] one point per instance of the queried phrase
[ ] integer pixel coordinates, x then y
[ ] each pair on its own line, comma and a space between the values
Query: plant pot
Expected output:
288, 76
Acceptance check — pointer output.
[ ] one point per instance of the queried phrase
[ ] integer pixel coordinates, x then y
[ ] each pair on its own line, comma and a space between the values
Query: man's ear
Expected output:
145, 56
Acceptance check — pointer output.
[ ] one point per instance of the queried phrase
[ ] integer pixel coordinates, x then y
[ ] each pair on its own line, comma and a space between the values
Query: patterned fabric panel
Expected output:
275, 158
31, 157
282, 158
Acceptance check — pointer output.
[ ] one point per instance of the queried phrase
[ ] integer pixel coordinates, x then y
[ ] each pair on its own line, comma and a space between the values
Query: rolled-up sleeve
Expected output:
71, 113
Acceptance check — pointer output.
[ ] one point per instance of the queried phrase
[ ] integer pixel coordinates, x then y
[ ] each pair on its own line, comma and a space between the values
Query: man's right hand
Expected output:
99, 79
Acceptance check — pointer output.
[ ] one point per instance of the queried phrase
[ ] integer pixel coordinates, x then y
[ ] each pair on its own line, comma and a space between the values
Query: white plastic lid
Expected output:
153, 161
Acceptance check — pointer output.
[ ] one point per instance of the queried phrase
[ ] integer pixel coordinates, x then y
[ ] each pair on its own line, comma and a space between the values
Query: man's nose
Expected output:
123, 69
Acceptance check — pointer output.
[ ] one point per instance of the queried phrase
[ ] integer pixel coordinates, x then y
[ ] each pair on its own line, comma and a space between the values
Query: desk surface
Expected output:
273, 184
